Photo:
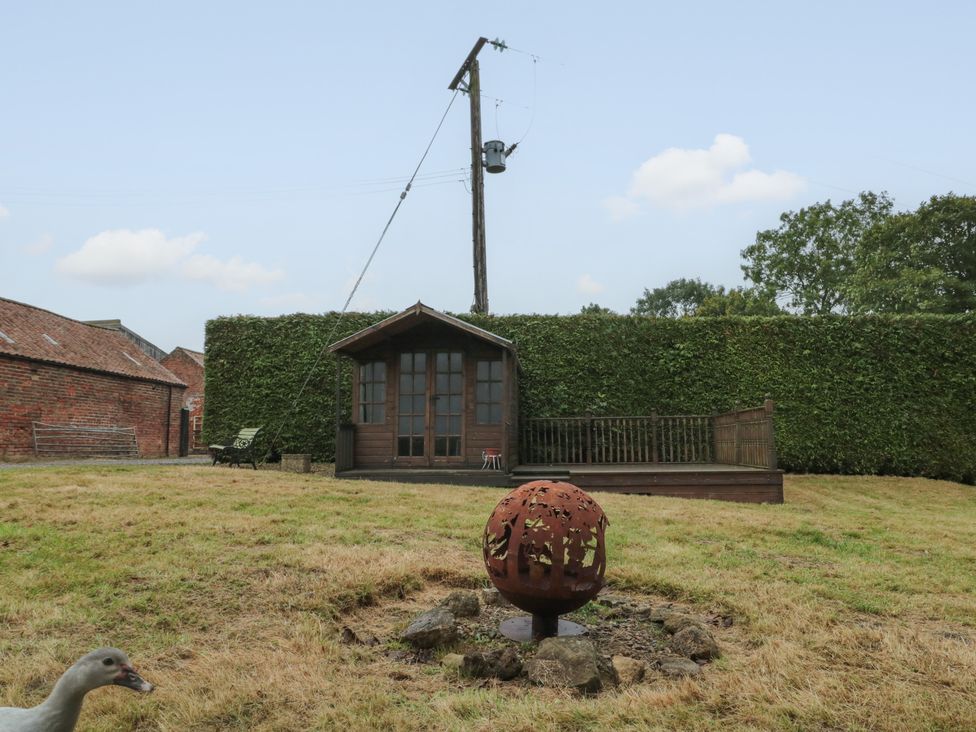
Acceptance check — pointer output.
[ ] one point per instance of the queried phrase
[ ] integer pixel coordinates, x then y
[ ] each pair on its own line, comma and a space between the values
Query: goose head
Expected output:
104, 667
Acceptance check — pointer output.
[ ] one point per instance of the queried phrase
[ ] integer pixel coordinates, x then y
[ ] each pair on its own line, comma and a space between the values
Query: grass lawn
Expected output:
854, 603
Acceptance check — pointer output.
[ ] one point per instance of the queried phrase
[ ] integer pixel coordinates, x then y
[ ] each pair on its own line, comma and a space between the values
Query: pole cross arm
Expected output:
478, 45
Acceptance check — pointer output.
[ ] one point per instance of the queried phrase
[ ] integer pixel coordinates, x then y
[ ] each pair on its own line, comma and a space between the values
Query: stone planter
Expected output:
297, 463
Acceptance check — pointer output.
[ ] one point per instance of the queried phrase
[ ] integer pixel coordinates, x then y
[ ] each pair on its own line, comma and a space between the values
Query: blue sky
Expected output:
168, 163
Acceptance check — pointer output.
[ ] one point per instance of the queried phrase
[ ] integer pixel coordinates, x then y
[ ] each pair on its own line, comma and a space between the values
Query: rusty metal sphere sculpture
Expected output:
544, 550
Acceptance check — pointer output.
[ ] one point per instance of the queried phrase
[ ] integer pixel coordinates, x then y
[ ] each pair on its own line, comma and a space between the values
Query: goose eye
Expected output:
108, 662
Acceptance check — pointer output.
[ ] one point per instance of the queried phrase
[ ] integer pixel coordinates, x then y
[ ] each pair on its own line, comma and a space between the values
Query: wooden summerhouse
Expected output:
436, 399
430, 392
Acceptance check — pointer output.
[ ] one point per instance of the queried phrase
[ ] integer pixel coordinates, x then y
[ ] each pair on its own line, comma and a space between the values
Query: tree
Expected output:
921, 261
594, 309
676, 299
810, 257
738, 301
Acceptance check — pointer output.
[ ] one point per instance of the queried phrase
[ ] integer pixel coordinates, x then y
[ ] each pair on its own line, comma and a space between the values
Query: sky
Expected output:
169, 163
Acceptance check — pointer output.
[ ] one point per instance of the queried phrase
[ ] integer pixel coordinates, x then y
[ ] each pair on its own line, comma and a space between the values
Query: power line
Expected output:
362, 274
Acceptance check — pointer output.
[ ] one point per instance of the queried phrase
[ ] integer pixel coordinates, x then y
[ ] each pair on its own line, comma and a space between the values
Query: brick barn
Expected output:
86, 381
188, 366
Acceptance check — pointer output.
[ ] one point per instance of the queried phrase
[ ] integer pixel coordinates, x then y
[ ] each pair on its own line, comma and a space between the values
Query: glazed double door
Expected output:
430, 401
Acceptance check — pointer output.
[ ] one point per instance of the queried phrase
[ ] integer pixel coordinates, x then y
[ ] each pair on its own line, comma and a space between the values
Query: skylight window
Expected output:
6, 338
131, 359
50, 340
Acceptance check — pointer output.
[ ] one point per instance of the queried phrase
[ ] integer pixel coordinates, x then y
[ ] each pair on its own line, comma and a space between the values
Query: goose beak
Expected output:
129, 678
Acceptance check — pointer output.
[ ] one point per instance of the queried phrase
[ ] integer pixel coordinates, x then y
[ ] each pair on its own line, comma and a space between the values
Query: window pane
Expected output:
418, 404
455, 425
454, 446
420, 363
406, 362
496, 370
496, 392
481, 411
455, 383
496, 413
440, 446
455, 405
418, 445
404, 424
379, 391
440, 425
362, 393
405, 400
403, 446
406, 384
379, 414
484, 369
362, 413
379, 370
441, 383
441, 362
455, 361
418, 425
481, 391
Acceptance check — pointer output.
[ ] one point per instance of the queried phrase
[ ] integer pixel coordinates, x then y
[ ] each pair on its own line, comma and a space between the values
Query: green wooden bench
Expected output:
241, 447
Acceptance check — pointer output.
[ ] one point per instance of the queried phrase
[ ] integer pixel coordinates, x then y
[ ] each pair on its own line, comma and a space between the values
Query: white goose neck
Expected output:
62, 707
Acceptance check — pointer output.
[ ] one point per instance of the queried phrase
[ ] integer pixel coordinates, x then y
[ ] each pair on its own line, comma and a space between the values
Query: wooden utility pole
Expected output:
473, 90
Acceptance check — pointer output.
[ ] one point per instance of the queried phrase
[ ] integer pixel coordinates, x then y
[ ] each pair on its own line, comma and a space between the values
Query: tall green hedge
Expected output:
869, 394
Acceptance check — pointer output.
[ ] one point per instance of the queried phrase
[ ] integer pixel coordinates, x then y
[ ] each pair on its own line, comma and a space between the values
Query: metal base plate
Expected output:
520, 629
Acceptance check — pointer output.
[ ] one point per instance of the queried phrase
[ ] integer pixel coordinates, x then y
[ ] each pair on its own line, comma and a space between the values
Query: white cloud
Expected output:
586, 285
4, 212
126, 257
43, 243
233, 274
682, 179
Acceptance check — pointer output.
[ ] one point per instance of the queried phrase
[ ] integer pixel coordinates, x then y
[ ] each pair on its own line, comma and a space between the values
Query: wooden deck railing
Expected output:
745, 437
740, 437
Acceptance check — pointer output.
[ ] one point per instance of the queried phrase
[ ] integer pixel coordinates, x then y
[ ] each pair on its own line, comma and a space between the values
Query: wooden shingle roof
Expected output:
35, 334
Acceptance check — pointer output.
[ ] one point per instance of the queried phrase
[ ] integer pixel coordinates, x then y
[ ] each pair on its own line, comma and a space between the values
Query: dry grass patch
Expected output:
855, 602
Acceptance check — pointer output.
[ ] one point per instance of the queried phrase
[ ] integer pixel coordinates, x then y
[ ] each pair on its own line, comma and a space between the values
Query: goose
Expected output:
59, 712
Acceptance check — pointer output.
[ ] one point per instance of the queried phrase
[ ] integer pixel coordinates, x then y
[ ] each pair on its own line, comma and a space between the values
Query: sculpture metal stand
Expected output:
544, 550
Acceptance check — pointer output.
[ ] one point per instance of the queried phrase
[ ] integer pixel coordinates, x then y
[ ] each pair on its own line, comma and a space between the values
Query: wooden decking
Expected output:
683, 480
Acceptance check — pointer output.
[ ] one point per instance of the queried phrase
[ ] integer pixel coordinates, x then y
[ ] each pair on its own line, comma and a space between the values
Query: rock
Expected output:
676, 621
433, 628
463, 603
659, 613
611, 600
676, 667
696, 643
491, 596
501, 664
629, 670
570, 662
350, 637
452, 662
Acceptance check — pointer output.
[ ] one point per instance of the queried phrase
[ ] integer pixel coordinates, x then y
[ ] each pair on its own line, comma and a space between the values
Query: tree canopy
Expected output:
810, 256
857, 256
919, 262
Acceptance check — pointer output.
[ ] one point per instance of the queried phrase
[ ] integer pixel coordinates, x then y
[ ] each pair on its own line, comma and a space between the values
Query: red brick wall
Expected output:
35, 391
190, 373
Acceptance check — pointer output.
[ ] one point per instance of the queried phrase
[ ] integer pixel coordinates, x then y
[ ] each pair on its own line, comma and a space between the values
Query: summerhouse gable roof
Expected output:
410, 318
35, 334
